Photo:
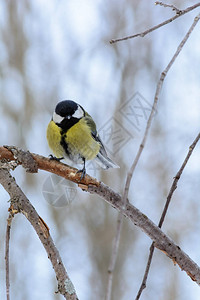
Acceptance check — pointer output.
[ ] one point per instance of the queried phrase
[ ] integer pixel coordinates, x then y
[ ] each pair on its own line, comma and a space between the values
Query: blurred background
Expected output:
55, 50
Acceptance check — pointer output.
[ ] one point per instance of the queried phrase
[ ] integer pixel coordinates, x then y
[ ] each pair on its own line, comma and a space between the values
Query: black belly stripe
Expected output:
65, 125
63, 143
65, 146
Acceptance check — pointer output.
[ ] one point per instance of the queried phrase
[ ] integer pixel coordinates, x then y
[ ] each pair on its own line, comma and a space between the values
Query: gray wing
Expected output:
102, 158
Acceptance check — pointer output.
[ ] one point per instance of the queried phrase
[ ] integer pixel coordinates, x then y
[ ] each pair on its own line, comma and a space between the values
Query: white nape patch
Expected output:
56, 118
79, 113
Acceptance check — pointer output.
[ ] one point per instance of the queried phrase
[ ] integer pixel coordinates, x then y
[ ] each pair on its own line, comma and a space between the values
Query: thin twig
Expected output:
169, 197
9, 220
178, 11
176, 179
143, 284
161, 240
114, 256
142, 34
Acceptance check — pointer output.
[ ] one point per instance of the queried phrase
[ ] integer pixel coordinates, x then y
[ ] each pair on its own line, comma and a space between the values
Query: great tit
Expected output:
72, 134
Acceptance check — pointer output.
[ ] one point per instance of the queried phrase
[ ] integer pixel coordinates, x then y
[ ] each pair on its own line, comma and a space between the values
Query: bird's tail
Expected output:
105, 162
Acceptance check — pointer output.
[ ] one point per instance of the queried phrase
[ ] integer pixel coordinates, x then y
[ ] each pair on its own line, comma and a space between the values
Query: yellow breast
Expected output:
80, 140
54, 138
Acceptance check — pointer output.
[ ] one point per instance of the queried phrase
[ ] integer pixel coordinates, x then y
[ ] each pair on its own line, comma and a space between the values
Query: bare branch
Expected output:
9, 221
156, 98
144, 281
20, 203
178, 11
14, 155
176, 179
142, 34
169, 197
114, 256
161, 240
130, 173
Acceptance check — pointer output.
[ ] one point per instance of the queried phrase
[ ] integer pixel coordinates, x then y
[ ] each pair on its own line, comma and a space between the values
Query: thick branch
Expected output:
17, 156
20, 203
162, 242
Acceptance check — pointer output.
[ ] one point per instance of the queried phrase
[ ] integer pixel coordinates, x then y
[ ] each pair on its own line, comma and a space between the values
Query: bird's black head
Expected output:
67, 113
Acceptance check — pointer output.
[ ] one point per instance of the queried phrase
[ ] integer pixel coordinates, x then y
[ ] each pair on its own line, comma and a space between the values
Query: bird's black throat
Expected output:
66, 124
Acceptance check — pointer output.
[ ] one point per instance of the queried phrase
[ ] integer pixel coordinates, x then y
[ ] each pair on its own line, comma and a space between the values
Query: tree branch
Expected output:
142, 34
174, 8
162, 241
169, 197
114, 254
135, 162
20, 203
9, 221
156, 98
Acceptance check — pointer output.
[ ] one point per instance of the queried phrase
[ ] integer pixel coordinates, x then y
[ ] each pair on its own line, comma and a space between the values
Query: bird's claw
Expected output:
51, 157
83, 171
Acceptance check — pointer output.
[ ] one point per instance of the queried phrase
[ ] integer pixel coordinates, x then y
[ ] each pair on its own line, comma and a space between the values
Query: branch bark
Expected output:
20, 203
161, 240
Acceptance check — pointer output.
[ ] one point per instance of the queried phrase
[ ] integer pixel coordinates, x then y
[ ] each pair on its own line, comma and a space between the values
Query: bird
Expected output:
72, 135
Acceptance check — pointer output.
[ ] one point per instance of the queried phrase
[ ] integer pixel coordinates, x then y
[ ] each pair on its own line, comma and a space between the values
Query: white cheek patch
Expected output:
57, 119
79, 113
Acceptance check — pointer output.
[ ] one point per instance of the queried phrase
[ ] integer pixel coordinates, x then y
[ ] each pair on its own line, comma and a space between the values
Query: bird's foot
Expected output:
83, 171
51, 157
